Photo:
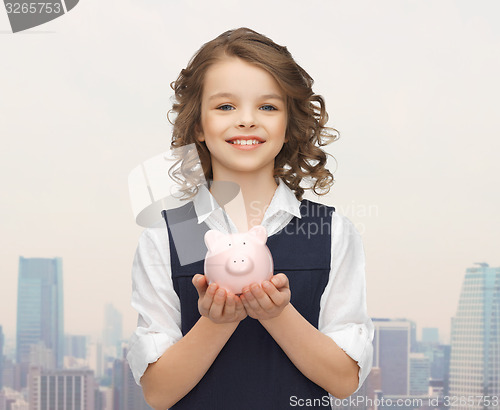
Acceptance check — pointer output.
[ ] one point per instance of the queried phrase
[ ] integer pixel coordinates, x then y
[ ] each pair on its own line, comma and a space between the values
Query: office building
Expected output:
391, 353
61, 389
41, 356
475, 338
439, 359
104, 398
413, 335
95, 359
112, 332
12, 400
127, 395
75, 346
420, 369
2, 341
440, 366
40, 307
11, 374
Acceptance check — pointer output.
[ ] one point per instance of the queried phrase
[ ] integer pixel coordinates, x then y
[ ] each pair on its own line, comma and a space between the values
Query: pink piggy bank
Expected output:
236, 260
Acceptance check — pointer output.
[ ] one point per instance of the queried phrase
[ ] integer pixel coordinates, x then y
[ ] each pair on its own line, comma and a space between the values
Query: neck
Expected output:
256, 192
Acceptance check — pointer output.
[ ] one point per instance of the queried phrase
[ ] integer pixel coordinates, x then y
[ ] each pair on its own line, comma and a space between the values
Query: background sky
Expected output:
412, 86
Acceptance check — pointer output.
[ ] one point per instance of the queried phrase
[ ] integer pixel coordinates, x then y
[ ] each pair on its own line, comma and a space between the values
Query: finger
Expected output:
274, 294
246, 306
280, 281
238, 304
229, 306
251, 300
200, 283
261, 297
218, 303
208, 297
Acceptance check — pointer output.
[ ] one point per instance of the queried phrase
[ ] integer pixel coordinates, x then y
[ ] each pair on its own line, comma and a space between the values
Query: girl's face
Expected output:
243, 118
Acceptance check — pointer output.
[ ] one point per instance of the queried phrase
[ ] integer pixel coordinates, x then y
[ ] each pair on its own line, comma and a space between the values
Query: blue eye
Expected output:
225, 107
268, 108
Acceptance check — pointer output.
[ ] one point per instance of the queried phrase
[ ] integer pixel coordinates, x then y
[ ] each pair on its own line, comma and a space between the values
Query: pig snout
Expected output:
239, 265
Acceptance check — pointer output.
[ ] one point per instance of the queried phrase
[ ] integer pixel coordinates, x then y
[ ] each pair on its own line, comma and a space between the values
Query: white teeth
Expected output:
245, 142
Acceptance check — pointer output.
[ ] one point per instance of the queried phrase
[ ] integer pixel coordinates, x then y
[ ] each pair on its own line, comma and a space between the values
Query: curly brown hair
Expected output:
301, 157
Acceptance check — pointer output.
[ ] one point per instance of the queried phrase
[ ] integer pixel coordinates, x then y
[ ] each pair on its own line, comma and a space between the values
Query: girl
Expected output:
250, 110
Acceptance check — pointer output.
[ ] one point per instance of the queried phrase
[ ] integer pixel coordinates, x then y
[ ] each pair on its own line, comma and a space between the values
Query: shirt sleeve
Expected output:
155, 300
343, 314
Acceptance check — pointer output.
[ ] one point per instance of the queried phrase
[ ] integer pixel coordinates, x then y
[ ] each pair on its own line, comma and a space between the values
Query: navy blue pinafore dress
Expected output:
252, 372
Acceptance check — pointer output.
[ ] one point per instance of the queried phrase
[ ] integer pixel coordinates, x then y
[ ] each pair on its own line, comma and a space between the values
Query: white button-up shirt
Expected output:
342, 316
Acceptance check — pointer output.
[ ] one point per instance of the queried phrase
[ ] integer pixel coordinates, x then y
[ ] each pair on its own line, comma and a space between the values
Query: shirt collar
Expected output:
283, 200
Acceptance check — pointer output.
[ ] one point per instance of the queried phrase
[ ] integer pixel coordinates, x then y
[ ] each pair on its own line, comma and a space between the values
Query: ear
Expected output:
212, 238
259, 233
198, 132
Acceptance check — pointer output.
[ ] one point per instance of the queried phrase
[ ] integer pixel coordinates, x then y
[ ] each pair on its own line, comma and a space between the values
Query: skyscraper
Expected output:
75, 346
113, 329
391, 353
420, 370
439, 359
475, 338
61, 389
127, 395
40, 308
1, 357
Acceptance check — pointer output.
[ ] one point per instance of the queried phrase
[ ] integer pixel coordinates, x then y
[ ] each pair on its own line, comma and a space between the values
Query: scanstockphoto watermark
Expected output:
26, 14
415, 402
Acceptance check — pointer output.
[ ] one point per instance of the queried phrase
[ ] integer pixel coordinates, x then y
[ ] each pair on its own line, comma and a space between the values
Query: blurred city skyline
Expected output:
111, 332
411, 86
416, 371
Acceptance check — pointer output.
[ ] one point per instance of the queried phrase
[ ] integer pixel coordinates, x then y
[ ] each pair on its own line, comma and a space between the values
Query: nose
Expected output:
246, 119
239, 265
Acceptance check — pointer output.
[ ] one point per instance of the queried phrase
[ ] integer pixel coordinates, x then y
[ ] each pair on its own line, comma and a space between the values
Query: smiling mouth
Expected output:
245, 142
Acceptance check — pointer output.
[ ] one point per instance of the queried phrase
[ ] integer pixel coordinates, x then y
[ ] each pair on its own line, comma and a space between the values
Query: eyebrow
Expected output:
229, 95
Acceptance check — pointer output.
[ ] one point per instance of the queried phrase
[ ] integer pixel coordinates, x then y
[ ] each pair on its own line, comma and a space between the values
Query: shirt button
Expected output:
360, 330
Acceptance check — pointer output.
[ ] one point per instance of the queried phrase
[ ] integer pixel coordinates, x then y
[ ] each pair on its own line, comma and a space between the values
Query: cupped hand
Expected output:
266, 301
216, 303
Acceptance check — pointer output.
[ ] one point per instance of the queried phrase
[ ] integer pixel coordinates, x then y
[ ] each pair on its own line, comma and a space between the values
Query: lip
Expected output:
246, 138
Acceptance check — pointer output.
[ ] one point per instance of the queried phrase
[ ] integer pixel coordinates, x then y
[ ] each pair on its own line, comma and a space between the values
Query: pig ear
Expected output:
259, 233
212, 237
